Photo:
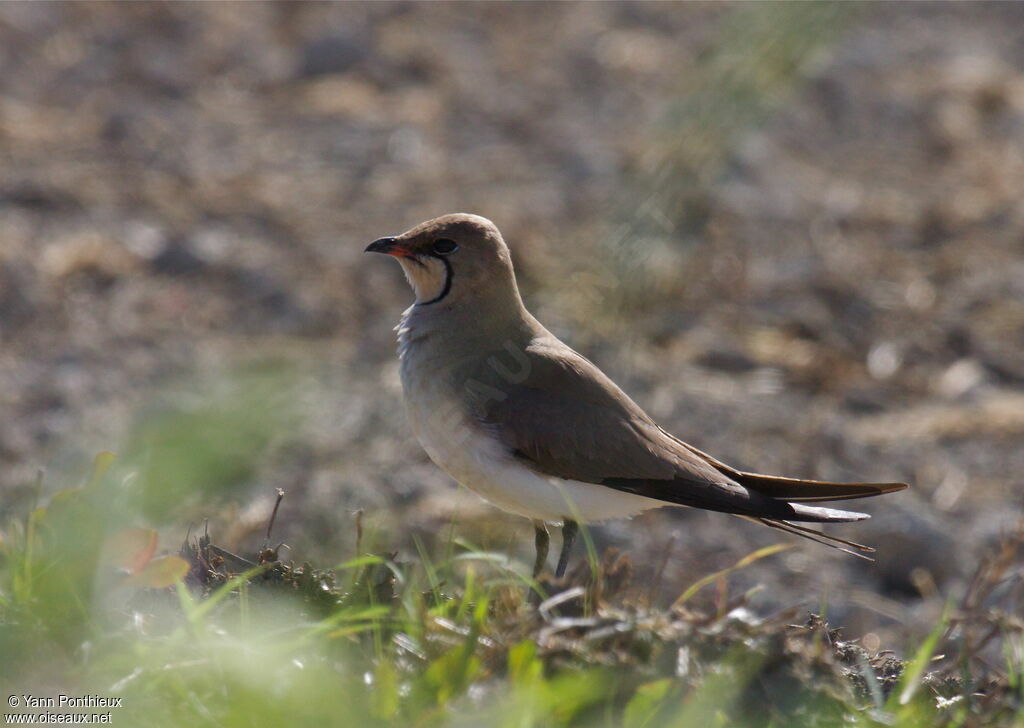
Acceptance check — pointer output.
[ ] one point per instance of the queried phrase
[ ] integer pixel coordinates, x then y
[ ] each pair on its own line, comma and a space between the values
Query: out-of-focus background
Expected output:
793, 233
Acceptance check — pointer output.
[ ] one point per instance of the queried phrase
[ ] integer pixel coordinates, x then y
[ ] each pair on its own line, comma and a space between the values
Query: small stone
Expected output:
960, 378
335, 53
176, 259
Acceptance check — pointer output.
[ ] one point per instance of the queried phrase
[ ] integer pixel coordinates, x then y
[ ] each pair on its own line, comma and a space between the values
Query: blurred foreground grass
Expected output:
459, 637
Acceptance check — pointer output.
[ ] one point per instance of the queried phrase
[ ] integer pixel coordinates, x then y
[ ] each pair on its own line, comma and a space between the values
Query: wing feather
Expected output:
565, 418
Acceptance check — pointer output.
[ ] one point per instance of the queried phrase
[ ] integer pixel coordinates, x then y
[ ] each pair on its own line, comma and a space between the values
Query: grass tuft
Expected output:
454, 639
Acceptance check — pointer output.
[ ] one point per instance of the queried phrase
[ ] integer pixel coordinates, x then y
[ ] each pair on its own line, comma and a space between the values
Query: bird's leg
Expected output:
569, 531
541, 540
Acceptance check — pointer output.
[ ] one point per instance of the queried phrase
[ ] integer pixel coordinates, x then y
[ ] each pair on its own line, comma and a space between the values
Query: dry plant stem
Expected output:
273, 517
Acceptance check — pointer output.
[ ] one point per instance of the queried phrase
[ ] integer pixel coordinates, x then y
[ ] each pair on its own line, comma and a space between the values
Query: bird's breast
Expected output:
437, 414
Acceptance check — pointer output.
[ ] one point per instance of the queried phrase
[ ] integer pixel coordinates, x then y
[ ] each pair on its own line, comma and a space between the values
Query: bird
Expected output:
511, 412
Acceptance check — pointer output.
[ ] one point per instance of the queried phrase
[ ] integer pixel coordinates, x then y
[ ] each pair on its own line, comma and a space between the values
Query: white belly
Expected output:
475, 458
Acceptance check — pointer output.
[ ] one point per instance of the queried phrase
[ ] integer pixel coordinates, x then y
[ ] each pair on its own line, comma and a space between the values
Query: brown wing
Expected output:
563, 417
571, 421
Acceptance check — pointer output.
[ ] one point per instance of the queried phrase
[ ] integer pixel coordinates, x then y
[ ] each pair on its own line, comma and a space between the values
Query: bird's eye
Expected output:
444, 246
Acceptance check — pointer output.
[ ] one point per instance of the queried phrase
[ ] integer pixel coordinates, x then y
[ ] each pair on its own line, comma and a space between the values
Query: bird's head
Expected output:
452, 259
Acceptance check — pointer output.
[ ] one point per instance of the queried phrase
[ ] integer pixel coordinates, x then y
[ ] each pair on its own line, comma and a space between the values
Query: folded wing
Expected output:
566, 419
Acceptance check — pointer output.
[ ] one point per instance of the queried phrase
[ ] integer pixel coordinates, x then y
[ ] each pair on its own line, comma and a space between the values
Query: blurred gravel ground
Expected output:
187, 186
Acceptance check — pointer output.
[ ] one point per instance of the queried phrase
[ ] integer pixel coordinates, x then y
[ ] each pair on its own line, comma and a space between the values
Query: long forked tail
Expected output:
797, 492
792, 493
